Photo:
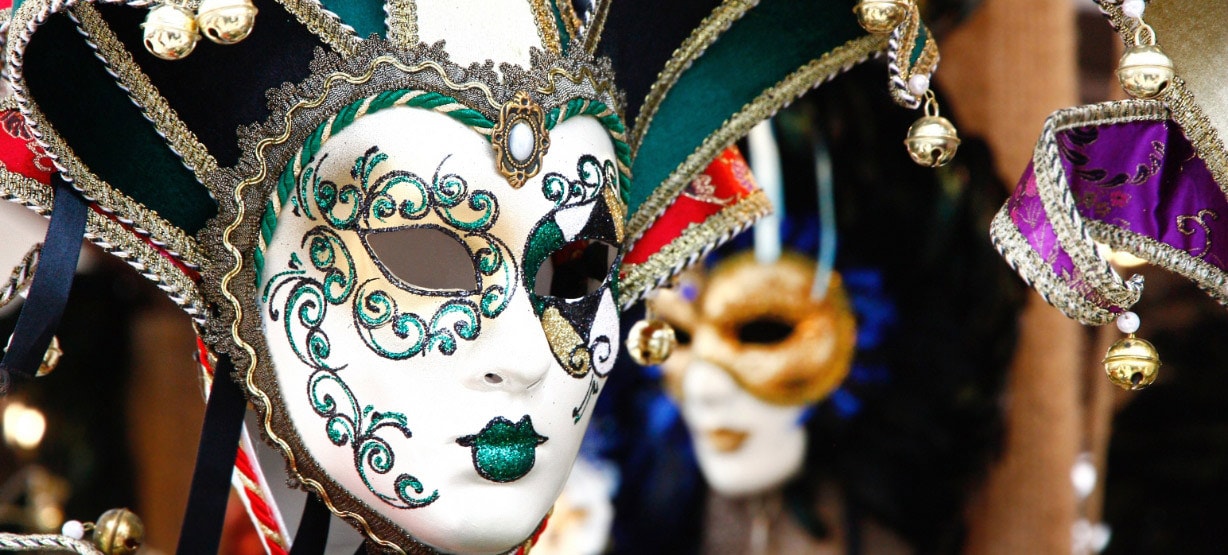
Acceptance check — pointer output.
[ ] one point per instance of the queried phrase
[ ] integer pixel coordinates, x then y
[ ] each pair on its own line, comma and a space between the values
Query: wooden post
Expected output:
1005, 70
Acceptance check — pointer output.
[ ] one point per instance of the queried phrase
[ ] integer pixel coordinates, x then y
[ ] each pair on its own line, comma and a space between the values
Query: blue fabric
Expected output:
40, 315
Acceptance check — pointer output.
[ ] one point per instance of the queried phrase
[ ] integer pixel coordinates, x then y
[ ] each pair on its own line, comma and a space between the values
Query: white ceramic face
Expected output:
744, 446
448, 410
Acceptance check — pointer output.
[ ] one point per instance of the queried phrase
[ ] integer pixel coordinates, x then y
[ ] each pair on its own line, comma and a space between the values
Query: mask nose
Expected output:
515, 355
707, 385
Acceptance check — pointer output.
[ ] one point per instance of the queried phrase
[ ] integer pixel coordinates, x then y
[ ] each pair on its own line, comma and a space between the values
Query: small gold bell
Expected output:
880, 17
119, 532
1132, 363
932, 140
650, 342
170, 32
226, 21
1145, 71
51, 358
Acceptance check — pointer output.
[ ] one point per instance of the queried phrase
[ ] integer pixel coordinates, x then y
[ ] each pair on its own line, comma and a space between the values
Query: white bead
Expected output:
918, 84
520, 141
1128, 322
1133, 8
73, 529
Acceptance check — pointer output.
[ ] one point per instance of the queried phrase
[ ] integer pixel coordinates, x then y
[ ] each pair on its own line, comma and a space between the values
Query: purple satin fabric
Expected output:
1142, 177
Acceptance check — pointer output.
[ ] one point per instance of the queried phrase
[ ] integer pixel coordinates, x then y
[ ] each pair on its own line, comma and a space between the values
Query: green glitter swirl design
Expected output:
347, 424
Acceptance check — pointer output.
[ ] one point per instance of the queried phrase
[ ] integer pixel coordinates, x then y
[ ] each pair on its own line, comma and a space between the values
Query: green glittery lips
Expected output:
503, 451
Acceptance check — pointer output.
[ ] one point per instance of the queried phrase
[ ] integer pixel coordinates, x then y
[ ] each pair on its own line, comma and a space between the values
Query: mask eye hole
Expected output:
576, 269
423, 258
764, 331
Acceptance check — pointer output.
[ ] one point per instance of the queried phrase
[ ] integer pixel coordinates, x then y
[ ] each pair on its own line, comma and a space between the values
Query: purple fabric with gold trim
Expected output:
1133, 182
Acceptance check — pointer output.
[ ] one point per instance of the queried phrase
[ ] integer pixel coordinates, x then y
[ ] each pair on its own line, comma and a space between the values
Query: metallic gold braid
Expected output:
153, 105
764, 106
114, 238
45, 542
1038, 274
696, 241
402, 22
22, 274
547, 31
706, 33
145, 222
596, 25
324, 24
571, 19
1184, 106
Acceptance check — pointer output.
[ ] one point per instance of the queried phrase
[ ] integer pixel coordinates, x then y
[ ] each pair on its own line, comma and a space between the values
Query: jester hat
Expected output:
254, 183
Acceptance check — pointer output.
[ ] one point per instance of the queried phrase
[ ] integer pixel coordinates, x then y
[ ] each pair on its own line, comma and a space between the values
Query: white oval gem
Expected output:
520, 141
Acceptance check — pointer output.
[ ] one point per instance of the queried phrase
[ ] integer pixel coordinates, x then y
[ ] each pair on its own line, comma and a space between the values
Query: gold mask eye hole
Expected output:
764, 330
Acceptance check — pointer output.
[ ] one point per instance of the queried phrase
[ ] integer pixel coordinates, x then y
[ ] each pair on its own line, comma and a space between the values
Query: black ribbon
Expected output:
201, 532
312, 535
44, 306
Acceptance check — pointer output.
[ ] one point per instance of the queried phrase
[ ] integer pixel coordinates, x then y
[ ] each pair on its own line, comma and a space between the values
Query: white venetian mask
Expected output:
756, 351
451, 403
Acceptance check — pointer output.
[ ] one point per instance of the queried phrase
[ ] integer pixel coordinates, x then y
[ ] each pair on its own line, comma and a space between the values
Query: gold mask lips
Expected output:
759, 322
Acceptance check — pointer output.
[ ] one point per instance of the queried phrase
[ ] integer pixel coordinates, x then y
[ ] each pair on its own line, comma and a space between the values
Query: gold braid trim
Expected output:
596, 25
706, 33
764, 106
692, 244
547, 31
119, 63
324, 24
1184, 106
571, 19
145, 221
402, 22
113, 238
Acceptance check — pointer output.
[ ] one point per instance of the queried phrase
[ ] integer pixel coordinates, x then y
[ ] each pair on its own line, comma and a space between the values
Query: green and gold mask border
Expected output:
564, 87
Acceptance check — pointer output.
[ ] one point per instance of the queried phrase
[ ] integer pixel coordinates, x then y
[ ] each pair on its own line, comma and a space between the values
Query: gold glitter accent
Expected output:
119, 63
704, 34
113, 238
694, 242
566, 343
402, 22
738, 125
618, 211
547, 31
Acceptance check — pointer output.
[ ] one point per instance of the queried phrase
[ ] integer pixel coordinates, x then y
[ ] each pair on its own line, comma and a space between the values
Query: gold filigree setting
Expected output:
520, 139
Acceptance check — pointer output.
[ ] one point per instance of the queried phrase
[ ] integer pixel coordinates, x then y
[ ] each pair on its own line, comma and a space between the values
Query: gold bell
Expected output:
932, 140
170, 32
1132, 363
1145, 71
226, 21
650, 342
119, 532
880, 17
51, 358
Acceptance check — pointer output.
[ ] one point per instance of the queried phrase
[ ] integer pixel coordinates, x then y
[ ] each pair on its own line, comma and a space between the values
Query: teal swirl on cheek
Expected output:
348, 425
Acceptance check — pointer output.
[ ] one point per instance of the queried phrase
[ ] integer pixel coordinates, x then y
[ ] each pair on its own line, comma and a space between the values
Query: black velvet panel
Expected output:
641, 35
218, 88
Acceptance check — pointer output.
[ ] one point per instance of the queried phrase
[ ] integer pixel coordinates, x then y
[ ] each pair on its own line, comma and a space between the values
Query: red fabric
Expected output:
19, 152
725, 182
